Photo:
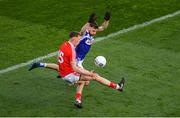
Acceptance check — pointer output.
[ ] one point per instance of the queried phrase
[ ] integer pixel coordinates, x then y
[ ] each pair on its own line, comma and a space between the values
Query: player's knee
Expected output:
87, 83
96, 78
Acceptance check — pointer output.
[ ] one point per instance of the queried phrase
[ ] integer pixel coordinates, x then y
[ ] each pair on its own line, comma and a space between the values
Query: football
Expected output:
100, 61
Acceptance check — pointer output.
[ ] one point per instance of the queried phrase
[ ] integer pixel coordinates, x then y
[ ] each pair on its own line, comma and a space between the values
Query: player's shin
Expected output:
78, 95
107, 82
79, 90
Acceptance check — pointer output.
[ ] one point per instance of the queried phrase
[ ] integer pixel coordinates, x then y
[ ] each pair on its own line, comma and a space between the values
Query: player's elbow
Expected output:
76, 69
100, 29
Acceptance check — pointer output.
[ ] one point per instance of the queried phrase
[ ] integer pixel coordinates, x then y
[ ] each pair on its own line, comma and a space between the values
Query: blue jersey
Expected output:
84, 46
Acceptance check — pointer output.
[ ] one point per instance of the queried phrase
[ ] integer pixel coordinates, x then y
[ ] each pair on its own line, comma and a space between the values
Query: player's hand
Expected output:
92, 18
107, 15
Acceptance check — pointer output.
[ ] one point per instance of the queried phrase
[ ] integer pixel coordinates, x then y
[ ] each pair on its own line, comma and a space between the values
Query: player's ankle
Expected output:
118, 87
42, 65
78, 100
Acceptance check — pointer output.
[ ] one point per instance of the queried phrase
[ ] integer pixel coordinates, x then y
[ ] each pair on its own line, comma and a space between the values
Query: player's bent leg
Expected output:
87, 83
85, 78
52, 66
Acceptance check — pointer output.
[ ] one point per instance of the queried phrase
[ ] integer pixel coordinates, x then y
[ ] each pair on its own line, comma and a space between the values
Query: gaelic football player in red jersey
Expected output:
71, 73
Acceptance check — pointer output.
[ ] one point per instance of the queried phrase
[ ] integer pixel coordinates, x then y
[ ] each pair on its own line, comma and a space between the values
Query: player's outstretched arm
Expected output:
105, 24
85, 26
92, 19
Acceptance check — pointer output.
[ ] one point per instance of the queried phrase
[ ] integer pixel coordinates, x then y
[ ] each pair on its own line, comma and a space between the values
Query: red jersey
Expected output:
66, 55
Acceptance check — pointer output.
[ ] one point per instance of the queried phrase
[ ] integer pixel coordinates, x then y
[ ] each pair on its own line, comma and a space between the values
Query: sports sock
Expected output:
42, 65
78, 97
113, 85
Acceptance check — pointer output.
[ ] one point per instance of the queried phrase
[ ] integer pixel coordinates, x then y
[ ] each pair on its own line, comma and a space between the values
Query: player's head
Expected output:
93, 28
74, 37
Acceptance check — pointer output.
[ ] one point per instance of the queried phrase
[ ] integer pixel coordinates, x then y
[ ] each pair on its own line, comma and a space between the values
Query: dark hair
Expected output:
94, 25
74, 34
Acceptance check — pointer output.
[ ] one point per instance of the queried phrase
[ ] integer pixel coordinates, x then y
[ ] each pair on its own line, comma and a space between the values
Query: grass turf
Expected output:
148, 58
29, 29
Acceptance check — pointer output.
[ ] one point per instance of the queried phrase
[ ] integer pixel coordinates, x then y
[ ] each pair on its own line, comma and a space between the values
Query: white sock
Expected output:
78, 100
43, 64
117, 86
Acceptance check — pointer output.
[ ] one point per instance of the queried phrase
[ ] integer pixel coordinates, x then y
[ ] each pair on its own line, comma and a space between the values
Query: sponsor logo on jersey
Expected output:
89, 42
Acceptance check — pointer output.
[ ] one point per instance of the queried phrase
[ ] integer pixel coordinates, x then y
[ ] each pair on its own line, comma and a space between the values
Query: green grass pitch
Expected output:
149, 58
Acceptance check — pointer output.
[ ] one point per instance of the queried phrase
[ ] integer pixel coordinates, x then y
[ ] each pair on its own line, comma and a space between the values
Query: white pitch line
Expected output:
97, 40
27, 63
138, 26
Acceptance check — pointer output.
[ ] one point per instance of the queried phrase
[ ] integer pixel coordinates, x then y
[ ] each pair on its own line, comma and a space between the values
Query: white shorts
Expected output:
72, 78
79, 63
